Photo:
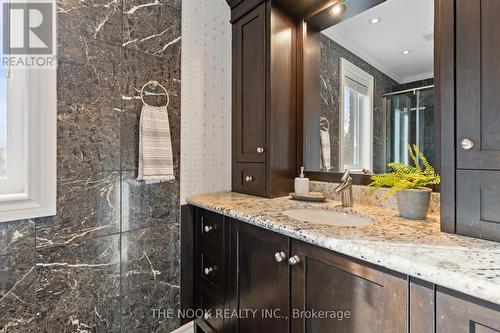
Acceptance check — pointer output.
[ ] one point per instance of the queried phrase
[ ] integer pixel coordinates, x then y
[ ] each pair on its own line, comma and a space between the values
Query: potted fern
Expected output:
410, 184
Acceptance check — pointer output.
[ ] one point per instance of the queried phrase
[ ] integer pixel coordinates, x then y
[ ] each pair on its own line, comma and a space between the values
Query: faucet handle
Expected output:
346, 175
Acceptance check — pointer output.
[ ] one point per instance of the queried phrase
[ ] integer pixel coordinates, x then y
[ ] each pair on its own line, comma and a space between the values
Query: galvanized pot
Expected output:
414, 204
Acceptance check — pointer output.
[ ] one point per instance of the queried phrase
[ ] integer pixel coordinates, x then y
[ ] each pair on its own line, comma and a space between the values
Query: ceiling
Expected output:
405, 25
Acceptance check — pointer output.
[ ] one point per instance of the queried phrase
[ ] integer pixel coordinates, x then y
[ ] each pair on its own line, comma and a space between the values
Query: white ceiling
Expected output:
404, 25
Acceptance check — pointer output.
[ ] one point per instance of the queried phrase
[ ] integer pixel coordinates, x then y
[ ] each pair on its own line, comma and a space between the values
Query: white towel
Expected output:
155, 145
324, 137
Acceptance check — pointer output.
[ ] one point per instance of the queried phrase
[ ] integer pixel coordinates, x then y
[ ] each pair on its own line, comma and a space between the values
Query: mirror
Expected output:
374, 88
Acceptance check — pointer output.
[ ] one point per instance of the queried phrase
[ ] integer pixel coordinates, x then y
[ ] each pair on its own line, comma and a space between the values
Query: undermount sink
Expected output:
328, 217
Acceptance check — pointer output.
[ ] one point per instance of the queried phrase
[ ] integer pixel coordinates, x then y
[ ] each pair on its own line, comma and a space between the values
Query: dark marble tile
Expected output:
150, 278
88, 139
86, 208
100, 19
17, 292
140, 68
78, 286
148, 205
152, 26
89, 71
17, 236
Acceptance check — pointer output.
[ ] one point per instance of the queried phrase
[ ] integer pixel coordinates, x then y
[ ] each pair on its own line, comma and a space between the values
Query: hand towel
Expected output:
155, 145
325, 149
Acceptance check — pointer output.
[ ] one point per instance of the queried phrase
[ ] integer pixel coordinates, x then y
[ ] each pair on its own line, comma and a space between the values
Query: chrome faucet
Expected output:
345, 189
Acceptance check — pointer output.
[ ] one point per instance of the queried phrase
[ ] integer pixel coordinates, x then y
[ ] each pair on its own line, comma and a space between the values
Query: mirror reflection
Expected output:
377, 87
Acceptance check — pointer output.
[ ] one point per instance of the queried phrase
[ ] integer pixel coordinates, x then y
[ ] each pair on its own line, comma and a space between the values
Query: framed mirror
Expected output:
368, 87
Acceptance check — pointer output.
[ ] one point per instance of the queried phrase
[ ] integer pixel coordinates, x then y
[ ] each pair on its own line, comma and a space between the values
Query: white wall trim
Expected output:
418, 77
339, 38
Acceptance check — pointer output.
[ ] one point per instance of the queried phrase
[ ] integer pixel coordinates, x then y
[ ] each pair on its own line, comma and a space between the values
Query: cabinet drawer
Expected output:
250, 178
211, 307
211, 273
210, 230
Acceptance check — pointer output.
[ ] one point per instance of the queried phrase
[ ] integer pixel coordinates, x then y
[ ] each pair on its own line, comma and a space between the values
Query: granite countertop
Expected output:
418, 249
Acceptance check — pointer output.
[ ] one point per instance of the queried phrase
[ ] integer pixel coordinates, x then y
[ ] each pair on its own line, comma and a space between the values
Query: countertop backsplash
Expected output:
362, 194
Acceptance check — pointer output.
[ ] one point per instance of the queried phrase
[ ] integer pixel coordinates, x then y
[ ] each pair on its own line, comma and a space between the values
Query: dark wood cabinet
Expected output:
264, 110
457, 313
478, 84
249, 47
261, 283
478, 118
351, 295
318, 291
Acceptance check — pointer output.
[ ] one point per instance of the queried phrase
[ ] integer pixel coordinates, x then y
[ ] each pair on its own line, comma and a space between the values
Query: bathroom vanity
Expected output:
321, 84
311, 87
389, 276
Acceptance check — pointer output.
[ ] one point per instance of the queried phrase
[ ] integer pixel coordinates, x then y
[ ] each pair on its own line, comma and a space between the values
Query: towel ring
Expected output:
322, 125
154, 84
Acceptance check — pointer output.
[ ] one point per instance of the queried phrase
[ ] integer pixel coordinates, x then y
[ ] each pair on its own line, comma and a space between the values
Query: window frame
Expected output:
348, 69
39, 197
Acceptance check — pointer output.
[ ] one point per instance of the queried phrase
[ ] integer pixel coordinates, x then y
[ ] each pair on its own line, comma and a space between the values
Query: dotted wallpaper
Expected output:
206, 97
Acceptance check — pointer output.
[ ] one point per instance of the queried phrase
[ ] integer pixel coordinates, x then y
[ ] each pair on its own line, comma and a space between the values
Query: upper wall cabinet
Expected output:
264, 112
478, 118
478, 84
249, 39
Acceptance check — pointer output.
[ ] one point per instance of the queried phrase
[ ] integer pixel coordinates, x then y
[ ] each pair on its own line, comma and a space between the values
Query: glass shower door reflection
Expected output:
410, 120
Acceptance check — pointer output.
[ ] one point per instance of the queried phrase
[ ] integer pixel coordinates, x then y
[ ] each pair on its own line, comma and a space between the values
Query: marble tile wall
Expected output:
111, 254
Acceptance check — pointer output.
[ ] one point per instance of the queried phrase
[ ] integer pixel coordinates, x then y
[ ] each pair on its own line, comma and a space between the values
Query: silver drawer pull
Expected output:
467, 144
279, 256
249, 179
208, 228
294, 260
260, 150
209, 270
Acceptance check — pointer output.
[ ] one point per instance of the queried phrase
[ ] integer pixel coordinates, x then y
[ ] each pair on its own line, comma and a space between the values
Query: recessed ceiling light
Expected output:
405, 52
375, 20
338, 9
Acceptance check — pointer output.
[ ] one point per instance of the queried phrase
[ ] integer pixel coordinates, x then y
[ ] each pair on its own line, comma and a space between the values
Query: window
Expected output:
27, 135
356, 128
12, 132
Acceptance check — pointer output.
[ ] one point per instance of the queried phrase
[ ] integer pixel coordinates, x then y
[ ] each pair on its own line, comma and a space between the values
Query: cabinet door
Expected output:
249, 87
456, 313
262, 283
478, 204
478, 83
354, 298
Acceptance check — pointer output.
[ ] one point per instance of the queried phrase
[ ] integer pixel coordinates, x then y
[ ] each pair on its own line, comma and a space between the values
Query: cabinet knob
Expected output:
249, 179
467, 144
279, 256
294, 260
209, 270
208, 228
260, 150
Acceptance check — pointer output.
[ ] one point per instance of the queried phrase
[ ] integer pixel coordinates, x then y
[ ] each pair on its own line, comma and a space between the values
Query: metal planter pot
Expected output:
414, 204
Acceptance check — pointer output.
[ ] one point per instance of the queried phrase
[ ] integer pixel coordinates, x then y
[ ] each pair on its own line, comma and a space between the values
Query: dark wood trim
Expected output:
322, 19
334, 177
422, 305
187, 259
242, 8
301, 38
445, 101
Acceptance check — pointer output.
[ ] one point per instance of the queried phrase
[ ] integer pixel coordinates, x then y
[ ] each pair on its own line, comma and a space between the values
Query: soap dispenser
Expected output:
301, 184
